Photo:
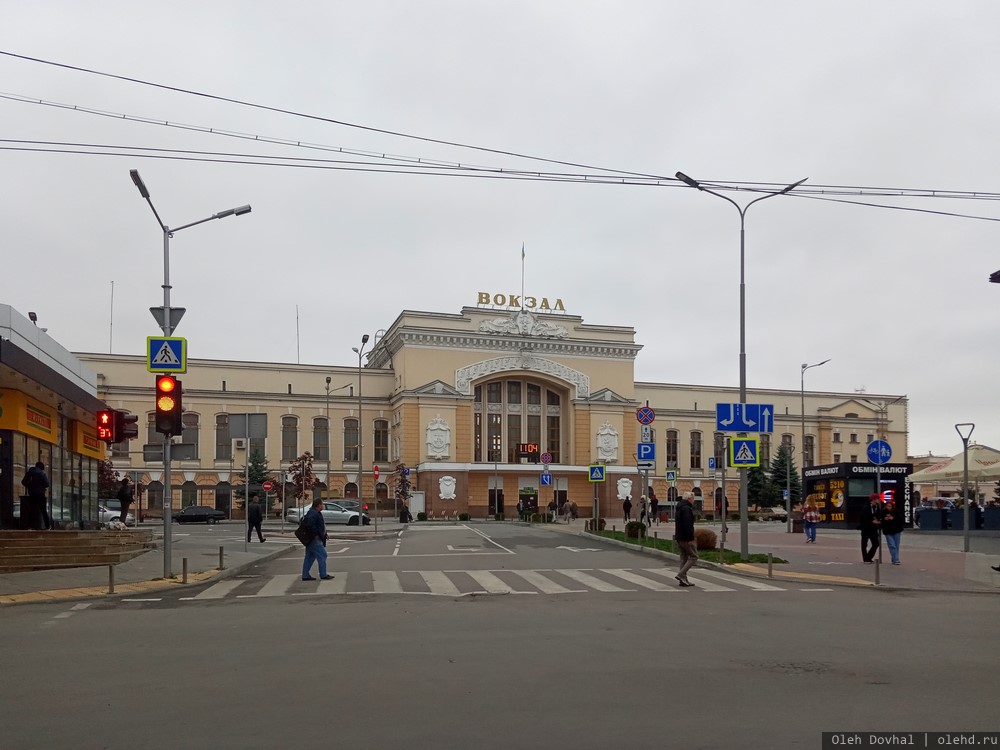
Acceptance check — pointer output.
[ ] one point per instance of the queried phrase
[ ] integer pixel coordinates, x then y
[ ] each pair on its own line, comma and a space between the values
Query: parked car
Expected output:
775, 513
109, 514
199, 514
332, 513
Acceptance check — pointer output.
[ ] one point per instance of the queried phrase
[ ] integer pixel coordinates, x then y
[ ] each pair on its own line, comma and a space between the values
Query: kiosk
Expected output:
841, 490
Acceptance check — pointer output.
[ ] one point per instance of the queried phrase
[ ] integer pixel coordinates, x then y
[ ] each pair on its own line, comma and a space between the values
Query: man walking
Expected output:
871, 520
255, 517
316, 549
125, 498
36, 514
684, 536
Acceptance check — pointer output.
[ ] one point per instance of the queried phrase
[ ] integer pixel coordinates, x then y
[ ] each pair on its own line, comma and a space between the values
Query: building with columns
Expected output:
469, 402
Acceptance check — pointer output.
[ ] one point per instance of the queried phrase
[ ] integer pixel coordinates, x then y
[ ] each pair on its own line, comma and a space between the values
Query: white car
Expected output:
332, 513
108, 515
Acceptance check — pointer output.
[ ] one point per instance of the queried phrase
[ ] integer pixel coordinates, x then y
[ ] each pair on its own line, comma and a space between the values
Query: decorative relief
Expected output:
465, 375
446, 486
523, 323
607, 443
438, 438
624, 488
534, 408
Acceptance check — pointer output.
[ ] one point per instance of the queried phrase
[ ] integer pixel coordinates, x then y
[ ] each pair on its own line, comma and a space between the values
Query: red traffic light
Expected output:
106, 424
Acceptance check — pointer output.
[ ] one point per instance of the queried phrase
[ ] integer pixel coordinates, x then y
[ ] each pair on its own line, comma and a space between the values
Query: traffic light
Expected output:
168, 405
107, 426
126, 426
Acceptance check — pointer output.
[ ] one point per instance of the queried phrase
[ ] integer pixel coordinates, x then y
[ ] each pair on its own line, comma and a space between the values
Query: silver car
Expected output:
109, 515
332, 513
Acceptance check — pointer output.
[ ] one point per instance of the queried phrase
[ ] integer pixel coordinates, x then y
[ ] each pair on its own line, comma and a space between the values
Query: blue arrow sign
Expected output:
744, 417
546, 480
879, 452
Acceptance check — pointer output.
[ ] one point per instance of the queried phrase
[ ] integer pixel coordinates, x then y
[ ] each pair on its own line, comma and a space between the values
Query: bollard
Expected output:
877, 572
722, 552
656, 539
222, 563
185, 571
111, 579
770, 572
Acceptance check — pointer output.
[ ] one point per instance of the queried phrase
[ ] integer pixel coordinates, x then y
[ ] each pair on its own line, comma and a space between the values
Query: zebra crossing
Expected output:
455, 583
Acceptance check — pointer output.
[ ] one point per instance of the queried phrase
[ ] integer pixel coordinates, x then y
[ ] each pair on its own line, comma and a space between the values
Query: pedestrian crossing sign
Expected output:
596, 472
744, 452
166, 354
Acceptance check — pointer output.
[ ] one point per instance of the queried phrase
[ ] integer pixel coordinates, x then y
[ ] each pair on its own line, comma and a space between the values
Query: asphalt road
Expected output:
693, 668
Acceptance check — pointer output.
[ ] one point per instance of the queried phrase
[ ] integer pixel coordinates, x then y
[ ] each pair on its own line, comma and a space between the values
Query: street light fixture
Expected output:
167, 325
802, 398
964, 431
361, 471
744, 511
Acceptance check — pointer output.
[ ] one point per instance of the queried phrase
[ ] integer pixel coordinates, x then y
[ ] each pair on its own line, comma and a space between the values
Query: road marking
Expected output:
642, 581
490, 583
815, 589
491, 540
160, 599
385, 582
216, 591
749, 583
546, 585
588, 580
463, 549
277, 586
698, 582
439, 583
82, 605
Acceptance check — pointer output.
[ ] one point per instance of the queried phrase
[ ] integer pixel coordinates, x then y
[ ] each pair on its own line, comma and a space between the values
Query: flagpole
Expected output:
522, 274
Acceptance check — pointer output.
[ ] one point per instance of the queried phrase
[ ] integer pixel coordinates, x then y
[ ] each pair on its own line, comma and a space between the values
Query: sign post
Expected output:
879, 453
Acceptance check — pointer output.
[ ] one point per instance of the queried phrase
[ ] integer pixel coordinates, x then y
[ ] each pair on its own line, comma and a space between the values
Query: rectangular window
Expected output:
350, 439
836, 437
765, 449
552, 441
670, 450
256, 446
534, 394
513, 436
786, 441
854, 459
869, 438
381, 440
836, 458
223, 441
809, 445
513, 392
719, 446
321, 439
854, 437
493, 437
479, 434
535, 428
695, 450
189, 435
553, 398
494, 394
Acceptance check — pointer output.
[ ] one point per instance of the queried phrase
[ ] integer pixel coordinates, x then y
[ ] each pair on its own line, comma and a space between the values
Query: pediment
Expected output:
436, 388
608, 396
850, 406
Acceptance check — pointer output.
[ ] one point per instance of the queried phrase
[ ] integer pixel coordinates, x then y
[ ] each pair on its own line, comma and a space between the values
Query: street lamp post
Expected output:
964, 431
329, 433
361, 470
168, 323
802, 403
744, 511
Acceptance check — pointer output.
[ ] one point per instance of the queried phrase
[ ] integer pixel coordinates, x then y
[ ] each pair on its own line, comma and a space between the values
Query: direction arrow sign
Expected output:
879, 452
596, 472
744, 417
545, 480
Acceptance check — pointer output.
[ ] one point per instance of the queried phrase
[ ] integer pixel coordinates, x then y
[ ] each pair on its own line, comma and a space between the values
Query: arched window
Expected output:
189, 494
719, 446
810, 444
223, 441
351, 490
223, 497
511, 411
190, 423
765, 450
289, 438
351, 439
381, 440
321, 439
671, 448
695, 449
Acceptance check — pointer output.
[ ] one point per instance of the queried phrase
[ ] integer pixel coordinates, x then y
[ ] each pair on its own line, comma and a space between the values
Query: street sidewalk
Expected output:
931, 561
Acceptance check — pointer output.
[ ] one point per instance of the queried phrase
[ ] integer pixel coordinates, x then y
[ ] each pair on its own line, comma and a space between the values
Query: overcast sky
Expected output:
852, 94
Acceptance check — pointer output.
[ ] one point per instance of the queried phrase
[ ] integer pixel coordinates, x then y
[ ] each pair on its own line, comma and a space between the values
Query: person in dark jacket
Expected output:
684, 536
316, 549
255, 517
126, 498
36, 514
892, 529
627, 508
654, 508
871, 521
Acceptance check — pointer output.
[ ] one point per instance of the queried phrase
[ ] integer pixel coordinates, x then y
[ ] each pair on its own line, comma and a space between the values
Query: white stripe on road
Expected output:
698, 582
545, 585
748, 582
588, 580
217, 591
490, 583
277, 586
641, 580
385, 582
439, 583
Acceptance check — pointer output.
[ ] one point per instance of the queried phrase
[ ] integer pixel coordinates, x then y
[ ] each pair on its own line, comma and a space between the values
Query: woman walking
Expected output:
810, 519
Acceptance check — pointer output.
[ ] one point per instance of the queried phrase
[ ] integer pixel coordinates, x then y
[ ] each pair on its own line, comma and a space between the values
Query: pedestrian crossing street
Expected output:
453, 583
